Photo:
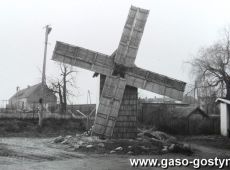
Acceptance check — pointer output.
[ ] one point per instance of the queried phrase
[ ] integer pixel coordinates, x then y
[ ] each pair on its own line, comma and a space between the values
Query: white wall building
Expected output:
224, 116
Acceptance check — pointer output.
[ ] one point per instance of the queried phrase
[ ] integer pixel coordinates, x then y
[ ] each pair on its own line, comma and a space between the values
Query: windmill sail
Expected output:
131, 36
83, 58
109, 105
154, 82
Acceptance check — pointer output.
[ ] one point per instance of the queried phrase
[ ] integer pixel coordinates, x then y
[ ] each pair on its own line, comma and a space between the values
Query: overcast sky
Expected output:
174, 31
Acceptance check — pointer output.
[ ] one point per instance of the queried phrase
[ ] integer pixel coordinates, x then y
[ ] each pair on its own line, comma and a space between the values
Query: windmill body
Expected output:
116, 112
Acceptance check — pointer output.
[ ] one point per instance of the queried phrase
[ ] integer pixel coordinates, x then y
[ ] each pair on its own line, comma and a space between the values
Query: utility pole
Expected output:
48, 30
42, 100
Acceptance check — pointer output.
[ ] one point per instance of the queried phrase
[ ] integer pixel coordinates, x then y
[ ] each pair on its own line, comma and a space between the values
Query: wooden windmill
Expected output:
122, 78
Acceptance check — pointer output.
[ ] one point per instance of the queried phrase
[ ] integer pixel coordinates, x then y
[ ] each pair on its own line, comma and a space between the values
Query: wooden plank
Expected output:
83, 58
109, 105
154, 82
131, 36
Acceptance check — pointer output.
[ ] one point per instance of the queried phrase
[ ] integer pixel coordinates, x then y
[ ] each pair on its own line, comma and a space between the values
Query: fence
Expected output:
3, 104
21, 115
52, 110
158, 116
163, 117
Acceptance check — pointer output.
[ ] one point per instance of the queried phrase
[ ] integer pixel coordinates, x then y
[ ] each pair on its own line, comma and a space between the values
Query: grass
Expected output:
29, 127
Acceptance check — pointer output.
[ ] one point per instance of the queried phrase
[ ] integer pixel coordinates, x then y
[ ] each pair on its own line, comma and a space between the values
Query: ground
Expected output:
20, 153
23, 146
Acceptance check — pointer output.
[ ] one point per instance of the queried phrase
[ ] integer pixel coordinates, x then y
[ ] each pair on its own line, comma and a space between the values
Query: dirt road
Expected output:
39, 154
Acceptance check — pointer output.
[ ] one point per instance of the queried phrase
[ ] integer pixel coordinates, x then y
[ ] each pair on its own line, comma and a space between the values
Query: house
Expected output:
28, 98
224, 105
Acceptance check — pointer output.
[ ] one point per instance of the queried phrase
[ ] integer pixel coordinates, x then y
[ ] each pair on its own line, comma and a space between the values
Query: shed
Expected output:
189, 112
195, 118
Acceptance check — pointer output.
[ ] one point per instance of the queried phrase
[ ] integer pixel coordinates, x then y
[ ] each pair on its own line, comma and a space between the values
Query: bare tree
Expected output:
63, 84
211, 66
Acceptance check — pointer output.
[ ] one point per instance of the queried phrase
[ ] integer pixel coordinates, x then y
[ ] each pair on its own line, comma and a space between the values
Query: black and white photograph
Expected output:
114, 84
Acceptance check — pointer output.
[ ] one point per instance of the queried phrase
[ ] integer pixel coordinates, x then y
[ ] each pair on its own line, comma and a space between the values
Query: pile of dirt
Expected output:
95, 145
147, 142
167, 142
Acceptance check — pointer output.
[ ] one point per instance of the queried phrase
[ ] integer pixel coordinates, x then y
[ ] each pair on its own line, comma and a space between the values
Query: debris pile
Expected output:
167, 142
147, 142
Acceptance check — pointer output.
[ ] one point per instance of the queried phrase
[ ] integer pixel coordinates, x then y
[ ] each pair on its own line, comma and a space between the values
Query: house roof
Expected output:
223, 100
165, 104
158, 100
181, 112
25, 93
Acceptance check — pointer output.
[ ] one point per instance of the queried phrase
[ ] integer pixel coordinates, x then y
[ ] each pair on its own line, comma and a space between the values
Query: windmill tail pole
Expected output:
42, 100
